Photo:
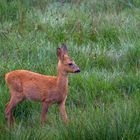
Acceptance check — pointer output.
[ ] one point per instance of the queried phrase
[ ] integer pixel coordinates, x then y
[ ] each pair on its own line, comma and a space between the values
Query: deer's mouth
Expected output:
77, 71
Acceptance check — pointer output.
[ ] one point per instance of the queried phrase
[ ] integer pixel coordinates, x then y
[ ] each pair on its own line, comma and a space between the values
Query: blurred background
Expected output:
103, 37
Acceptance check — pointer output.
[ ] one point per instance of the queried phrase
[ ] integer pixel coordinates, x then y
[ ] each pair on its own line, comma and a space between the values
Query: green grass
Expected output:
102, 37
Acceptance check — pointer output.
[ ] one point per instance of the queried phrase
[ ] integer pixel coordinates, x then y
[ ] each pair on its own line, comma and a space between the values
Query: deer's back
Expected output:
30, 83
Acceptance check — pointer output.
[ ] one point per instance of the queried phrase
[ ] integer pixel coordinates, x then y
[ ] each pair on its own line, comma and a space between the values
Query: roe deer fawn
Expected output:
24, 84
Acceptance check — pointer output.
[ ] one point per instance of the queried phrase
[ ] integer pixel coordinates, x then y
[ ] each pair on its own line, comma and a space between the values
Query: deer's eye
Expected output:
70, 64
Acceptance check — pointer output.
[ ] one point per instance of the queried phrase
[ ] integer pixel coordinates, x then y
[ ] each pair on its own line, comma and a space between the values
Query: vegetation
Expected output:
103, 37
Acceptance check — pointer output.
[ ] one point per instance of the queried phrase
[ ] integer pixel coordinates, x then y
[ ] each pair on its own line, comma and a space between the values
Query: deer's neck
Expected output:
62, 82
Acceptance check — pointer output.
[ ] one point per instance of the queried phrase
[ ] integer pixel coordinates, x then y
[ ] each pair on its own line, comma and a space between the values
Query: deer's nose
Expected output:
78, 70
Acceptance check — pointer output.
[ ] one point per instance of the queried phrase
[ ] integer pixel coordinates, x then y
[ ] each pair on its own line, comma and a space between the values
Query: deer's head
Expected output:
66, 63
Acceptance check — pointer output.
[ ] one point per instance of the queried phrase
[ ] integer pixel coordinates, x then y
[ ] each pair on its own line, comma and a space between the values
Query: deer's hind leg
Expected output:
14, 100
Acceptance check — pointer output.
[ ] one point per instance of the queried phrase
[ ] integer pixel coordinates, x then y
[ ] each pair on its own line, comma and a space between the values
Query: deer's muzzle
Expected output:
77, 71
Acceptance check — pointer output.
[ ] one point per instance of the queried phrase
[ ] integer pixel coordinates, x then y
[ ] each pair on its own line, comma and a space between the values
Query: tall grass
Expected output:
103, 39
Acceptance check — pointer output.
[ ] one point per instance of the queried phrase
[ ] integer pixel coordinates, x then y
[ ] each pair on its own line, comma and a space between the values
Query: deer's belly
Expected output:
32, 92
54, 96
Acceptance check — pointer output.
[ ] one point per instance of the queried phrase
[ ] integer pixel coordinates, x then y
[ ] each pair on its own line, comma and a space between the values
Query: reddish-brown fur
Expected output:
24, 84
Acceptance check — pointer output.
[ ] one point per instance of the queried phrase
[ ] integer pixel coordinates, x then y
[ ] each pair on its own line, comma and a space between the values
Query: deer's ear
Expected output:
64, 47
59, 53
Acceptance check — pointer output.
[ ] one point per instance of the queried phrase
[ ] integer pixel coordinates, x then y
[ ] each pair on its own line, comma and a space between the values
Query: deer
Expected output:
28, 85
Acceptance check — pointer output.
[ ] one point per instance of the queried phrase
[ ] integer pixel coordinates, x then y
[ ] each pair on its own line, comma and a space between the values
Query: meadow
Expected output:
103, 38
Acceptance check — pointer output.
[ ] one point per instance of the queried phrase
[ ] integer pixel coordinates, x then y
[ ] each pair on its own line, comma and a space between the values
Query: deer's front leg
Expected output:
45, 107
63, 111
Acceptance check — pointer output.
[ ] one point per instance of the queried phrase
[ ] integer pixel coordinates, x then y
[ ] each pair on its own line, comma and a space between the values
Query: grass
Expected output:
103, 39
